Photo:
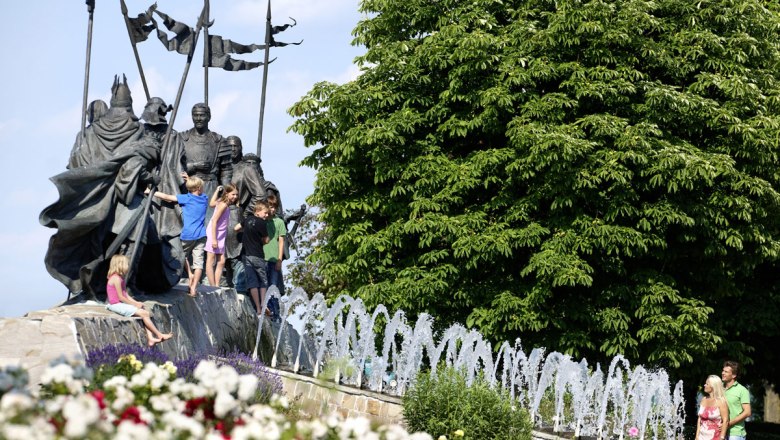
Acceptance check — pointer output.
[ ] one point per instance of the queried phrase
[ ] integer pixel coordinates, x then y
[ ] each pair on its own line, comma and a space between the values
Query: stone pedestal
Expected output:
216, 319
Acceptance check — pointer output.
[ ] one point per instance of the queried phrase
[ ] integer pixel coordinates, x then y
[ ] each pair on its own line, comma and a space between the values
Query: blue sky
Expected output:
42, 85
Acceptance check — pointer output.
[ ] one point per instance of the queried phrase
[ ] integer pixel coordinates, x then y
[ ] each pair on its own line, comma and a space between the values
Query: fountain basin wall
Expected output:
318, 397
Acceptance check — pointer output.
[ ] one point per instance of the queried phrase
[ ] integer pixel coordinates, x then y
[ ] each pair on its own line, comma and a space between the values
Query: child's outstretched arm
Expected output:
167, 197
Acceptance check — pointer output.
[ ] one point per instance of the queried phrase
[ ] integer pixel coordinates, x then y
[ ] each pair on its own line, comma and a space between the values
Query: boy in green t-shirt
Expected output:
738, 399
274, 251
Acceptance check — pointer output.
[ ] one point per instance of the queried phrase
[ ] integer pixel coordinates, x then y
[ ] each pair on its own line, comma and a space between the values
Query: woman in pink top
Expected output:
713, 412
119, 301
216, 231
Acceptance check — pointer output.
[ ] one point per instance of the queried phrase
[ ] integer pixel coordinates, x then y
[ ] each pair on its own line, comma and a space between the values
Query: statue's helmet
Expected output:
155, 111
120, 94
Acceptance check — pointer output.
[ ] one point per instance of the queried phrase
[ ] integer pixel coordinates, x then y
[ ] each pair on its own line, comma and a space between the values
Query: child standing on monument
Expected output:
193, 231
216, 231
255, 236
120, 302
274, 251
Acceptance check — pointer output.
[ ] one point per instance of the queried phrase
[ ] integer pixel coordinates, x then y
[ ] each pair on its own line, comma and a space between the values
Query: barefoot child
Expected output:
193, 231
216, 231
119, 301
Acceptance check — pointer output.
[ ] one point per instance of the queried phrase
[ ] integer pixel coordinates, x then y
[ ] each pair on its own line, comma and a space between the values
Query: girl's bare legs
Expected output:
219, 269
150, 339
153, 335
210, 269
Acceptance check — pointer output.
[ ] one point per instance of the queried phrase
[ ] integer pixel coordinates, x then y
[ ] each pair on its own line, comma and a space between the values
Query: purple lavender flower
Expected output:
109, 354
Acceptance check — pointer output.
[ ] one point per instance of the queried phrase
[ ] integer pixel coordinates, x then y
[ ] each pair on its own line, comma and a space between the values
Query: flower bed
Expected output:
150, 400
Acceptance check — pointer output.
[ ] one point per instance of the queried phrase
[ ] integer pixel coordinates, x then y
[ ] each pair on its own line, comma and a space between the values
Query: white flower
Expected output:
264, 414
80, 413
54, 405
393, 432
356, 427
124, 398
60, 373
166, 402
37, 428
315, 427
169, 367
128, 430
206, 373
186, 390
227, 379
14, 403
280, 401
256, 430
115, 382
151, 375
178, 423
224, 404
247, 385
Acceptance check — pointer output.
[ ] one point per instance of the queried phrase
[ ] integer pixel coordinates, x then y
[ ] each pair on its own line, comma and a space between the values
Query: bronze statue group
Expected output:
159, 203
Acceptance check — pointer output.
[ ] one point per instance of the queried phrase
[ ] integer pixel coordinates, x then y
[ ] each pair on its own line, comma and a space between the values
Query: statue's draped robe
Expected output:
116, 127
248, 180
102, 199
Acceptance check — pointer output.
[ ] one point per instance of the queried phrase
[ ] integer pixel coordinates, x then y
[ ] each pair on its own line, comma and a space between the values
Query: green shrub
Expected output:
444, 405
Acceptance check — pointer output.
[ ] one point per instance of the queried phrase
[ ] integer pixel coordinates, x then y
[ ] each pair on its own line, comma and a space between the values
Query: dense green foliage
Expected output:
597, 177
443, 404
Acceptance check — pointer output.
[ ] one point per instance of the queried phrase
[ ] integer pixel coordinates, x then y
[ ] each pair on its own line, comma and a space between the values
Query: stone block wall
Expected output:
317, 397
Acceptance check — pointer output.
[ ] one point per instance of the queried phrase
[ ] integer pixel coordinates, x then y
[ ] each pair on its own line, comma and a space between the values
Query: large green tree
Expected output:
596, 177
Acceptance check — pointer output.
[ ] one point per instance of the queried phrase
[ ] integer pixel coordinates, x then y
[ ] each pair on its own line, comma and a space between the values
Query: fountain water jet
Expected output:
600, 405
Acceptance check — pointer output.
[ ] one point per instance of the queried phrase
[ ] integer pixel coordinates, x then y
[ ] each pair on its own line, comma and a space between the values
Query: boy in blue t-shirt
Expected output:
193, 231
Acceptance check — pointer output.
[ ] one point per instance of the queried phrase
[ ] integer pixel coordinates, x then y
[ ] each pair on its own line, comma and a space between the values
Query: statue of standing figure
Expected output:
208, 157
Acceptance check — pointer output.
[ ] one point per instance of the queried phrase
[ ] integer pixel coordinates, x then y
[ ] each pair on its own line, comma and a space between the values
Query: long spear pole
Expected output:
91, 10
141, 227
265, 78
135, 50
206, 54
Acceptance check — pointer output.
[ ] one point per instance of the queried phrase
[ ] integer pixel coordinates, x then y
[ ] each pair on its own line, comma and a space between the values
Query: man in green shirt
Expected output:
738, 400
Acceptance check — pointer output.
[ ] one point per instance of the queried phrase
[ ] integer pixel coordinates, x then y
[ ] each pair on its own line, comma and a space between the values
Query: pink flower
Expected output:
633, 431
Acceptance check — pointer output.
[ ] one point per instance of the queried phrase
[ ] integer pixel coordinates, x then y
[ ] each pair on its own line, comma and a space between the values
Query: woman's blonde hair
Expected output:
227, 189
717, 387
119, 265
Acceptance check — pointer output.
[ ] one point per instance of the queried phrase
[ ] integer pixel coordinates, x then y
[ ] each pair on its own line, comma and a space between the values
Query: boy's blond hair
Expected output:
119, 265
262, 204
194, 183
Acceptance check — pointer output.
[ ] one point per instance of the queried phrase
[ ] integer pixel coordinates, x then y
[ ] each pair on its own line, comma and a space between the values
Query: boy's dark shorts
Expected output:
254, 270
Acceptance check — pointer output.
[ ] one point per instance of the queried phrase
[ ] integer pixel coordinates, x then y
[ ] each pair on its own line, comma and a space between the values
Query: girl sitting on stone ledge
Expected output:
119, 301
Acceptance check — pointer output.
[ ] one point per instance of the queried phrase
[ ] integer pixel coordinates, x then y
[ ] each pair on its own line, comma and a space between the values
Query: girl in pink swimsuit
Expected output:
216, 231
119, 301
